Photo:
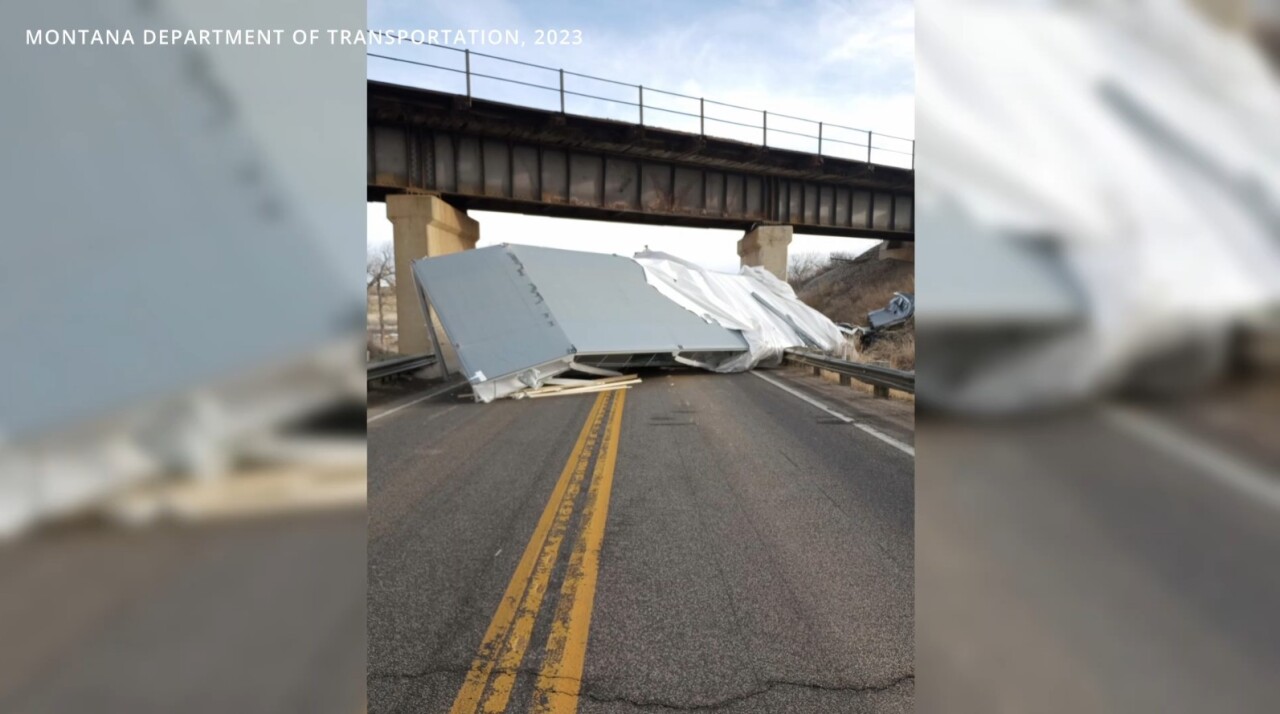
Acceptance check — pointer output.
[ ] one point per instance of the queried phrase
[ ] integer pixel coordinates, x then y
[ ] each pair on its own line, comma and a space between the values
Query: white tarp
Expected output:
764, 309
1136, 140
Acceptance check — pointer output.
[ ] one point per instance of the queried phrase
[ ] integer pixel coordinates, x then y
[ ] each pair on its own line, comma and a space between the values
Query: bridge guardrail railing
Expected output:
882, 378
823, 138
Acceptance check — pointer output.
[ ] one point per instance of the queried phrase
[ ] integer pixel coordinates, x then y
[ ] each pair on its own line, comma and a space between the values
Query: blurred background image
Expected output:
181, 392
182, 461
1098, 477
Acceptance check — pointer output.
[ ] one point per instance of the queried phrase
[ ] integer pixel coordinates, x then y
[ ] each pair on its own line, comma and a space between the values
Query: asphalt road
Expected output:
712, 542
1120, 558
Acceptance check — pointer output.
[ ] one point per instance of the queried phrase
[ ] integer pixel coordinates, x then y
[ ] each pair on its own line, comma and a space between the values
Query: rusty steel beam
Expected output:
492, 156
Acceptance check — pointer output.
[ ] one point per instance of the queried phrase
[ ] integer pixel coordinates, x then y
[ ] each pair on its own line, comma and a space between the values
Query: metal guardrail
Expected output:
383, 369
702, 116
881, 378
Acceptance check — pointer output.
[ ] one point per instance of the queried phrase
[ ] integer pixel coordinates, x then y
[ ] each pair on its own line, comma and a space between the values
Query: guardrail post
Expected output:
819, 138
641, 105
562, 91
881, 392
467, 53
702, 116
765, 126
846, 380
817, 371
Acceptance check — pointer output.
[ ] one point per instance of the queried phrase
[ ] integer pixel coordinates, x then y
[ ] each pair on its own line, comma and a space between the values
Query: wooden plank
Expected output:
588, 390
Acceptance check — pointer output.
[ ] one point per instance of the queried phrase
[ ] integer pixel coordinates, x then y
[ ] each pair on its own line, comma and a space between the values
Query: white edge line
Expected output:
1224, 467
905, 448
424, 397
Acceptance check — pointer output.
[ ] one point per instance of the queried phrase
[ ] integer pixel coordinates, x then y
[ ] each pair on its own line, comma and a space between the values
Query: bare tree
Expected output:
380, 272
804, 266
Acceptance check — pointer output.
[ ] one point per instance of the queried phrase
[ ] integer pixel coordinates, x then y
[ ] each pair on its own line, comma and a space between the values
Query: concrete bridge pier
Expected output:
898, 250
766, 246
424, 225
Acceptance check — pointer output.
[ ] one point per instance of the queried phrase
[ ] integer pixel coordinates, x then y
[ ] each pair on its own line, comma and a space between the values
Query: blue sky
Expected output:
847, 62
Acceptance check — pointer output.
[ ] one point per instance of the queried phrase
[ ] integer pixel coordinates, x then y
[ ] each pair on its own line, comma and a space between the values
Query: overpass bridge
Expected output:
557, 147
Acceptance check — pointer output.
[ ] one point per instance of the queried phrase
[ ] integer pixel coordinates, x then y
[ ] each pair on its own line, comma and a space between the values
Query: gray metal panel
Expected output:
507, 308
603, 304
170, 255
491, 312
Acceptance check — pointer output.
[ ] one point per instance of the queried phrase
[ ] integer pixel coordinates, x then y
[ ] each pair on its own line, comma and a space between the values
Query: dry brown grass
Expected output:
845, 290
896, 349
848, 289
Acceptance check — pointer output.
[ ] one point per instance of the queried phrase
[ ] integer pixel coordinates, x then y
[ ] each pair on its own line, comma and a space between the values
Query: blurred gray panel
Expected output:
169, 254
979, 277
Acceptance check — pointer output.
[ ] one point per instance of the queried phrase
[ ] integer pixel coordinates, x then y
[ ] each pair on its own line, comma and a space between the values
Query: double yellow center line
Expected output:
492, 676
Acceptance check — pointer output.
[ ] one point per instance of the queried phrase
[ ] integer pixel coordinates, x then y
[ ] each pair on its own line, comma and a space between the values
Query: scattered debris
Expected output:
900, 309
559, 387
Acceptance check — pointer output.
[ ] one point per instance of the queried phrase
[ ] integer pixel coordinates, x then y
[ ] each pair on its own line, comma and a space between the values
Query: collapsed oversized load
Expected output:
519, 315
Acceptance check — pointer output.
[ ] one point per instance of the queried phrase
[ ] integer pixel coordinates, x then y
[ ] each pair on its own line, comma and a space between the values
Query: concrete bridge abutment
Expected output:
766, 246
424, 226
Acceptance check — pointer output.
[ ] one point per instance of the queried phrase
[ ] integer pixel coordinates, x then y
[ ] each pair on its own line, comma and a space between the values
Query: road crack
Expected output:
586, 691
761, 688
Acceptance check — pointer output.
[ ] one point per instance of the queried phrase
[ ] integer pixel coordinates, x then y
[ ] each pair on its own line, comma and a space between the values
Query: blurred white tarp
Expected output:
1125, 155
